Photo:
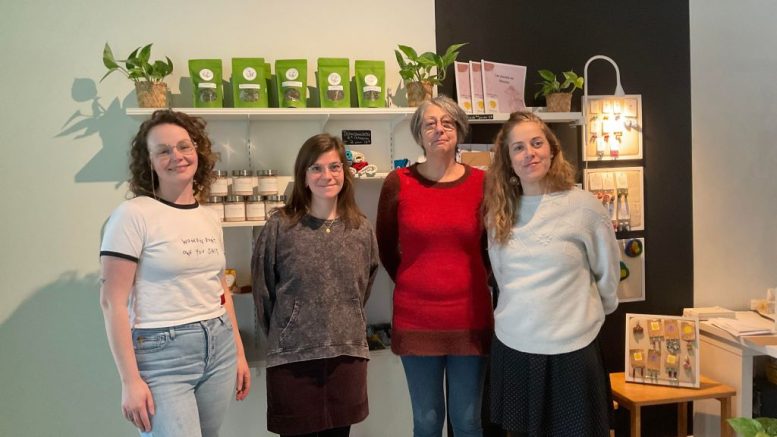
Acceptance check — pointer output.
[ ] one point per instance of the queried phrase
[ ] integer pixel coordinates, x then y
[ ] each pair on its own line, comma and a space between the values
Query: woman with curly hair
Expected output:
556, 262
168, 313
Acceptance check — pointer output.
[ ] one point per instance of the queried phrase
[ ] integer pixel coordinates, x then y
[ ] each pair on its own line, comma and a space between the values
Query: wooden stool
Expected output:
634, 396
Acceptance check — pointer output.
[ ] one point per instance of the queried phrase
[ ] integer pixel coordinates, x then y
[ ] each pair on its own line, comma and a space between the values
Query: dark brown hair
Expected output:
142, 180
502, 187
301, 196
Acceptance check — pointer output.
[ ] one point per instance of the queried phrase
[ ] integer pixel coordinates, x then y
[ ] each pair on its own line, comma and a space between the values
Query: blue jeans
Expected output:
190, 370
465, 375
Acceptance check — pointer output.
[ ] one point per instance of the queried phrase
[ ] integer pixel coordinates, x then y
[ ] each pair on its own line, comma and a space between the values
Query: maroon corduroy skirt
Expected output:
311, 396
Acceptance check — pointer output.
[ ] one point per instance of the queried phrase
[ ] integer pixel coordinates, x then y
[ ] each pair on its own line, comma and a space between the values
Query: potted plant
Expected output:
151, 90
558, 95
417, 70
760, 427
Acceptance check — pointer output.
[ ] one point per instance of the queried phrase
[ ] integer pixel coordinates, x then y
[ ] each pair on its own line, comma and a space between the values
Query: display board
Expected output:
632, 287
662, 350
612, 128
621, 191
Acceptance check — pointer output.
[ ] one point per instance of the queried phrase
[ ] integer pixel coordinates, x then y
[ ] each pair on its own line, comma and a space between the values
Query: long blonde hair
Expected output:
502, 188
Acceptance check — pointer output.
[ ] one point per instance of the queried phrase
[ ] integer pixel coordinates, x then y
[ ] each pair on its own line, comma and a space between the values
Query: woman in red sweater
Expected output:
430, 238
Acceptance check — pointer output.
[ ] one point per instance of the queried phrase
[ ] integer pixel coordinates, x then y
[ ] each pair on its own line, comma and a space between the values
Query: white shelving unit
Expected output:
326, 114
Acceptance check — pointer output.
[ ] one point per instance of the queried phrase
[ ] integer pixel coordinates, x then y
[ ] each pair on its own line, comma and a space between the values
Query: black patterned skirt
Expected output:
550, 395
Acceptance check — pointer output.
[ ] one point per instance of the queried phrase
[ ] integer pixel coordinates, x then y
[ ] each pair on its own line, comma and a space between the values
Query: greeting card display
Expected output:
662, 350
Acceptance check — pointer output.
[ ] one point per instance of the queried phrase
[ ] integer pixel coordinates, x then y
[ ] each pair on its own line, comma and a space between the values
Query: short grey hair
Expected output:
448, 106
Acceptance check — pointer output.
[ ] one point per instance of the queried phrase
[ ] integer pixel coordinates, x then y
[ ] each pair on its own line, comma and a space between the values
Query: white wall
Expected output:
734, 114
64, 138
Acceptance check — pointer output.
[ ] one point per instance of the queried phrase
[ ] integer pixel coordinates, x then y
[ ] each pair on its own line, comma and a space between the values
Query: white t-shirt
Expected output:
180, 254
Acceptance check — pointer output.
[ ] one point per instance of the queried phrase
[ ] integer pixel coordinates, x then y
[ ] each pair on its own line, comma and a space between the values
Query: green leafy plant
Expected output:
418, 68
550, 83
137, 67
760, 427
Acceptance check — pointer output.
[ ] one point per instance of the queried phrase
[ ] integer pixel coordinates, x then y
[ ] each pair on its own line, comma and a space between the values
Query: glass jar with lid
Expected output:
216, 204
220, 184
274, 201
243, 182
267, 182
234, 209
255, 207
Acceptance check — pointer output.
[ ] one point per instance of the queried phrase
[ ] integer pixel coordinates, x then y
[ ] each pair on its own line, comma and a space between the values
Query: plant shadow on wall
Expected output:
56, 371
111, 124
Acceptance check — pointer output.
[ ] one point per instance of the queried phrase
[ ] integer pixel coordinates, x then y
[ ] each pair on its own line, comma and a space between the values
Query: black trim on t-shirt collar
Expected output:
178, 205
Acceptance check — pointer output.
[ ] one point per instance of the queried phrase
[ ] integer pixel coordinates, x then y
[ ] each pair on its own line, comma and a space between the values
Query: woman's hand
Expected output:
137, 404
243, 382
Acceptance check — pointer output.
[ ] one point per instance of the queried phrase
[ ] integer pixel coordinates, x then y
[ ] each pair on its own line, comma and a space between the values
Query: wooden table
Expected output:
634, 396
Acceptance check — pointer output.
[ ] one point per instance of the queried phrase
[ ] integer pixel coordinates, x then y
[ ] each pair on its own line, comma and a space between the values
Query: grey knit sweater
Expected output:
310, 287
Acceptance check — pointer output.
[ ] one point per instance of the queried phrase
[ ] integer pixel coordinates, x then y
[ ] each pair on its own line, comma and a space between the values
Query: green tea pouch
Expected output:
207, 83
272, 90
334, 88
292, 78
249, 87
371, 83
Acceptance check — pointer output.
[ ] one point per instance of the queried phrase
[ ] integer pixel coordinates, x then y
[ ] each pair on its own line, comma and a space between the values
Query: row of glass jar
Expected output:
234, 208
244, 183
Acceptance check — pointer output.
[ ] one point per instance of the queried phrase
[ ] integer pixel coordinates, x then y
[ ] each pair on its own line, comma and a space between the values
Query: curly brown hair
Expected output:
301, 196
503, 192
143, 181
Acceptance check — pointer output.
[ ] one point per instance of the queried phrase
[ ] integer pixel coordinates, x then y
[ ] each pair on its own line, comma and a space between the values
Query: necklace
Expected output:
328, 225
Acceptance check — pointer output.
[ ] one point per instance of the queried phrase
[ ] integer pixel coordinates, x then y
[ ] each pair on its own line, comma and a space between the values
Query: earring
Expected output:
514, 181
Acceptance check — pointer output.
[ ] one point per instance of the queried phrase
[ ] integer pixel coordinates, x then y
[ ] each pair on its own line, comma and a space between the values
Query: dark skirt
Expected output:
550, 395
311, 396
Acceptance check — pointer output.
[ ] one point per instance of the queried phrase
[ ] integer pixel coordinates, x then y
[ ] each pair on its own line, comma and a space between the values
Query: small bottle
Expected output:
243, 182
267, 182
255, 207
220, 185
234, 209
273, 202
216, 204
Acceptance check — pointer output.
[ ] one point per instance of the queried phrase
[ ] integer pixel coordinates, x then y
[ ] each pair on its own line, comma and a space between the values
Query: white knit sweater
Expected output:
557, 274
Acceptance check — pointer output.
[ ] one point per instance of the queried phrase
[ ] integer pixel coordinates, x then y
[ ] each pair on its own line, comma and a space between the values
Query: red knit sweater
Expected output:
431, 242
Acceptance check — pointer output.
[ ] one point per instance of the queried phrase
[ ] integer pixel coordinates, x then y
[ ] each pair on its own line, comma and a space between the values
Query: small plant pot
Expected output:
559, 102
151, 94
418, 92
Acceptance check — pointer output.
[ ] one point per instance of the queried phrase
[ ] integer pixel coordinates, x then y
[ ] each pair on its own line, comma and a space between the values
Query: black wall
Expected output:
649, 40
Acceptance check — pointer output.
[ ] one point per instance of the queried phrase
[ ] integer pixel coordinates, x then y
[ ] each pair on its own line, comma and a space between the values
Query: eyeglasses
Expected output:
318, 169
431, 125
165, 152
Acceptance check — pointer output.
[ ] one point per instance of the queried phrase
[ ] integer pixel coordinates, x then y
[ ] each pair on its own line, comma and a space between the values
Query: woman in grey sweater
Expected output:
313, 266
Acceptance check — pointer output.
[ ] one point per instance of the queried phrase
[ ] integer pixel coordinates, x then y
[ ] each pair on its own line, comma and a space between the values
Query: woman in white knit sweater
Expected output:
556, 263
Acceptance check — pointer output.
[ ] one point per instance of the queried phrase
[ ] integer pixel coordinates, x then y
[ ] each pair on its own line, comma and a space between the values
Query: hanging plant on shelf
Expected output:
148, 76
558, 95
422, 72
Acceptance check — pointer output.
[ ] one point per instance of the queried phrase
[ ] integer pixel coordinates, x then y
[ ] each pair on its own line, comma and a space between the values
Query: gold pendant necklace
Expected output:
328, 225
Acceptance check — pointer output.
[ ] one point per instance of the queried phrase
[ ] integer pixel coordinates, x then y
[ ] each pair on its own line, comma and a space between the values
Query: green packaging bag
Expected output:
334, 82
249, 87
371, 83
207, 83
272, 90
291, 76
